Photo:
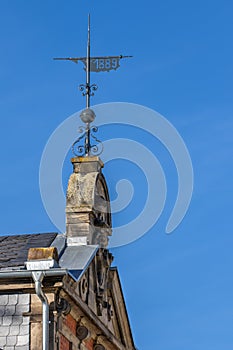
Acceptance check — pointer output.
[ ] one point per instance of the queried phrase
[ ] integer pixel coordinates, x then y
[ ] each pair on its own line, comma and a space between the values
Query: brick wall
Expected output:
68, 339
70, 322
65, 344
89, 343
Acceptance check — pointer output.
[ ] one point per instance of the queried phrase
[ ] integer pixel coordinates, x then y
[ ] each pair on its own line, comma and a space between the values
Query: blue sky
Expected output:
178, 287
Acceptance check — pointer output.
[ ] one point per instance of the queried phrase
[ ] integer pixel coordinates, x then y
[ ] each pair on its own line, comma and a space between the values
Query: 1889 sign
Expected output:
102, 64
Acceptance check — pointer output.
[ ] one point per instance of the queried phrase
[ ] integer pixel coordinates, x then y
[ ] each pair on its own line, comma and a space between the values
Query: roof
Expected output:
14, 249
14, 252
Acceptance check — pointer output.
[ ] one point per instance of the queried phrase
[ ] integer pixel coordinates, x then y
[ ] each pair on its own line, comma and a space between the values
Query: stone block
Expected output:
48, 253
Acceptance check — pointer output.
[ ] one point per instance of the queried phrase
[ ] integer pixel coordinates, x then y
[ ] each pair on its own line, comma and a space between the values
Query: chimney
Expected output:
88, 216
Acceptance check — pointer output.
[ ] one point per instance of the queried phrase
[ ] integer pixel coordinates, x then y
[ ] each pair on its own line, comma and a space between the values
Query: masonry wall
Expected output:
75, 330
70, 330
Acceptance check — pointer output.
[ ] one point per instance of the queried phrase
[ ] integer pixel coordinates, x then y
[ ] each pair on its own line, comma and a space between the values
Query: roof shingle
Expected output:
14, 249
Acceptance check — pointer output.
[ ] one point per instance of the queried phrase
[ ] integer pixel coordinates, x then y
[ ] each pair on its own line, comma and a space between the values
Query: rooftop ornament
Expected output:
91, 64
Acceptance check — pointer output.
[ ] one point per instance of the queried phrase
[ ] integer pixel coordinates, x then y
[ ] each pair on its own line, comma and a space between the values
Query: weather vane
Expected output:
91, 64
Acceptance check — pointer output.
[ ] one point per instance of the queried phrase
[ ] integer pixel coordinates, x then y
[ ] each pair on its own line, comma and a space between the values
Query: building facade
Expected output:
60, 291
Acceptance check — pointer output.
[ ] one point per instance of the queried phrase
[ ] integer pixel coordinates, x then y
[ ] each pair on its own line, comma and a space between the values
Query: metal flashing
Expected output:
60, 243
77, 258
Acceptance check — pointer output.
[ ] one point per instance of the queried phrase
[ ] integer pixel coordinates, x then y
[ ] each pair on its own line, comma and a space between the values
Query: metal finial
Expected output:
88, 89
91, 64
88, 148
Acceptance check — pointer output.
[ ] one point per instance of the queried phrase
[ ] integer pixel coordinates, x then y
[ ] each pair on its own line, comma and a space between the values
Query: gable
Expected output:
100, 288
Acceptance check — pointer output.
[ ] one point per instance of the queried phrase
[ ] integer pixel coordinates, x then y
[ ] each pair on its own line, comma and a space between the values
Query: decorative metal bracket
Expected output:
87, 148
88, 89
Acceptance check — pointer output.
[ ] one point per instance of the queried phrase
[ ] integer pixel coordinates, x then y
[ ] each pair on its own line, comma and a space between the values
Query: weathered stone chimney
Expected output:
88, 216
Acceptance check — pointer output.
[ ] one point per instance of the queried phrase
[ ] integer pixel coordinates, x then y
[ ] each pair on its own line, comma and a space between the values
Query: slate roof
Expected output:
14, 249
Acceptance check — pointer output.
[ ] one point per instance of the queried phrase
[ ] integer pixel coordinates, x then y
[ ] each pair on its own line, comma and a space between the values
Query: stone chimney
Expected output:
88, 216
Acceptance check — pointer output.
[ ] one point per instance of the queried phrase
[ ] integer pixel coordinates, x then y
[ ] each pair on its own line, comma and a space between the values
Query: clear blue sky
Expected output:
178, 287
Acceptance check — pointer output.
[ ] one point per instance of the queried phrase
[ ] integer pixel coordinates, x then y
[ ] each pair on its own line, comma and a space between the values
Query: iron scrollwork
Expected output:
88, 89
89, 148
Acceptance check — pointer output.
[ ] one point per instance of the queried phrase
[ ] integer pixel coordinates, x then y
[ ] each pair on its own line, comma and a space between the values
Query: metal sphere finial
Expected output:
87, 116
88, 148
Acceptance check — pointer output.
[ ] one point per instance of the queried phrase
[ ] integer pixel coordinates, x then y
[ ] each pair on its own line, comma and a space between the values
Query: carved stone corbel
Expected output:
103, 262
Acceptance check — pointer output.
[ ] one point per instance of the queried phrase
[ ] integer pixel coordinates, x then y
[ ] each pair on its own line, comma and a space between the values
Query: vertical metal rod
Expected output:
88, 65
87, 140
88, 86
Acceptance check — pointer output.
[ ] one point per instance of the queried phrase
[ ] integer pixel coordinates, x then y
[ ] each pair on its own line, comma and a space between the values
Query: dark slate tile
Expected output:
14, 249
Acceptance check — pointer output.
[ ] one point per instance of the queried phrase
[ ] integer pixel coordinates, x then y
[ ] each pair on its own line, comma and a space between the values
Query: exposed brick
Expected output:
71, 323
89, 343
64, 343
